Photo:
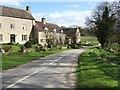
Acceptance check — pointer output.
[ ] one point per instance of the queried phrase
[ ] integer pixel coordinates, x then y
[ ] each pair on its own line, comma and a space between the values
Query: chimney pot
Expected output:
44, 21
27, 8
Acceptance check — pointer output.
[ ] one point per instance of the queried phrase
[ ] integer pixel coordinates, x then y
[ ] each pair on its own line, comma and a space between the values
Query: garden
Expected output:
17, 54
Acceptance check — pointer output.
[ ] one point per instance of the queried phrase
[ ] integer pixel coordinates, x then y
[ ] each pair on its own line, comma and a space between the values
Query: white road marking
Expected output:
22, 79
30, 75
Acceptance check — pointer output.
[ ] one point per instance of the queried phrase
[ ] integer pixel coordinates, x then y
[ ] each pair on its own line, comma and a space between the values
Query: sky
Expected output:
62, 12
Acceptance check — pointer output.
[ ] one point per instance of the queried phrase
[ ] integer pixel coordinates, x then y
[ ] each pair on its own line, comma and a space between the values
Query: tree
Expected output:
115, 7
103, 22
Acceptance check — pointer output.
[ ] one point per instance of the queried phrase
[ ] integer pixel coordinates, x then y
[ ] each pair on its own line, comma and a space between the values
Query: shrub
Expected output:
39, 48
7, 48
22, 48
28, 44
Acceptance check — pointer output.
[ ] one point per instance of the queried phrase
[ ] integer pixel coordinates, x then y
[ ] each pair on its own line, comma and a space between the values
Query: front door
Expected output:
12, 38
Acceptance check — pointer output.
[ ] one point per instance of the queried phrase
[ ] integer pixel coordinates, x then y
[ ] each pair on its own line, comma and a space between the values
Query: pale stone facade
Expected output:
77, 34
49, 33
19, 26
20, 31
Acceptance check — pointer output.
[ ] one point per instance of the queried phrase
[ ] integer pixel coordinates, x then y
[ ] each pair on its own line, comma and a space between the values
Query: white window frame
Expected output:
12, 26
24, 38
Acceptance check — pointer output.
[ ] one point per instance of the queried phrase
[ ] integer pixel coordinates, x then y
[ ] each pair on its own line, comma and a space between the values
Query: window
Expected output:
24, 37
23, 27
41, 40
0, 25
12, 26
1, 37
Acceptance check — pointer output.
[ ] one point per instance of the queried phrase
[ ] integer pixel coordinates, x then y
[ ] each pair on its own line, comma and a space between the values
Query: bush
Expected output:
74, 46
39, 48
7, 48
28, 44
22, 48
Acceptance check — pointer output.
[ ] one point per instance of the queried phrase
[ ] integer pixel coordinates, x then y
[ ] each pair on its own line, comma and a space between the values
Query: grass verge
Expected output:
95, 71
13, 60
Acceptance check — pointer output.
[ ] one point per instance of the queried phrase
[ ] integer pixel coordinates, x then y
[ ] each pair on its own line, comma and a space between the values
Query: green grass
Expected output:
14, 60
94, 72
91, 40
14, 48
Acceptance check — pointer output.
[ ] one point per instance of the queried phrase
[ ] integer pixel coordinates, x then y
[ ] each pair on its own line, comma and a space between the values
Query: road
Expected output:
53, 71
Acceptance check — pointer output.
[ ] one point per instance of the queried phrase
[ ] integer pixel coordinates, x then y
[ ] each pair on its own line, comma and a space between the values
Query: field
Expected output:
89, 41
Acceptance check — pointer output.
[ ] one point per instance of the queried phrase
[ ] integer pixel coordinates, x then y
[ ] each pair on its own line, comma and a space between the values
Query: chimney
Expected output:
44, 21
27, 8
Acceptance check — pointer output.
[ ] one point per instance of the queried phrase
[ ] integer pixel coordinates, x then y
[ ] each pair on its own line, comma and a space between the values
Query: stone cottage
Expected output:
15, 25
19, 26
52, 33
72, 35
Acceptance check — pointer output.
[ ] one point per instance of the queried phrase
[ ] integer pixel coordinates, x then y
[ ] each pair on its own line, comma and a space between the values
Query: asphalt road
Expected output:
53, 71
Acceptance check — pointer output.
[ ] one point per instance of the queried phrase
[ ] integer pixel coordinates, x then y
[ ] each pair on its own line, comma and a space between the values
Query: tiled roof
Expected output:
50, 26
16, 13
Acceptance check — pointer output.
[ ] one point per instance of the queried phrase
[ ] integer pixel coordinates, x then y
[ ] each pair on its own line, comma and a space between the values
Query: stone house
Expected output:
15, 25
19, 26
52, 33
72, 35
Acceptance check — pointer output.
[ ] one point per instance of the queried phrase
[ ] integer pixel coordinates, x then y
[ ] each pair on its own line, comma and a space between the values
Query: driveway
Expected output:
53, 71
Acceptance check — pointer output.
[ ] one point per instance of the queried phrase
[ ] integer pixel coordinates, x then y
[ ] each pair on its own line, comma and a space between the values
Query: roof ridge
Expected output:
16, 12
12, 7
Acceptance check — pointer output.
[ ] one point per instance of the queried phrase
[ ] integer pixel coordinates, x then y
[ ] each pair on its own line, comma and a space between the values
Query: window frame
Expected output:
24, 37
12, 26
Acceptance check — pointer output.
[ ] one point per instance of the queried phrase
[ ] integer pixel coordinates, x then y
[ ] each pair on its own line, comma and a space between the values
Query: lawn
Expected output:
91, 40
95, 72
14, 48
13, 60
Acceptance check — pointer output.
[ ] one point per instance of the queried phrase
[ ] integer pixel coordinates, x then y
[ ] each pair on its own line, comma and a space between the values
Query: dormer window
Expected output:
54, 30
12, 26
61, 31
46, 30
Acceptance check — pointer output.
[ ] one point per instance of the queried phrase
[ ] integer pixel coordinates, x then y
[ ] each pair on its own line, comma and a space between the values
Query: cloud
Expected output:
65, 18
74, 6
12, 2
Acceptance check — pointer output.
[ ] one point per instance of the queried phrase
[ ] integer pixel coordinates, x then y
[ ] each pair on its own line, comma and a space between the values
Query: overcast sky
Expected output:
62, 13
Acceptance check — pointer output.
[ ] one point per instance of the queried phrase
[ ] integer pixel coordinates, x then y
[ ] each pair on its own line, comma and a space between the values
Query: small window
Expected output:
23, 27
0, 25
12, 26
1, 37
24, 37
42, 40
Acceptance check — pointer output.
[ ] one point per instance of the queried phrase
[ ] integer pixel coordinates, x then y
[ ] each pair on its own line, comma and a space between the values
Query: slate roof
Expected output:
37, 27
16, 13
50, 26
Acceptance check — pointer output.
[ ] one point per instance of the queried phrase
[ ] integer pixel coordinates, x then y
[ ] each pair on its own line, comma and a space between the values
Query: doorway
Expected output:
12, 38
